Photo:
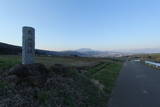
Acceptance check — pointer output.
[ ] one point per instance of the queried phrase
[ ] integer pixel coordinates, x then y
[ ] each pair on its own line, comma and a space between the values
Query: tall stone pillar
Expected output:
28, 45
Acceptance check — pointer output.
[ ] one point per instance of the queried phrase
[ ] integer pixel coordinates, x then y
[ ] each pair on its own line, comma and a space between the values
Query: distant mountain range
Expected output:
83, 52
96, 53
118, 53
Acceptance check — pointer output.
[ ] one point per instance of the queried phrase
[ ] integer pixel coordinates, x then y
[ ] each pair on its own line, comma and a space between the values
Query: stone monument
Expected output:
28, 45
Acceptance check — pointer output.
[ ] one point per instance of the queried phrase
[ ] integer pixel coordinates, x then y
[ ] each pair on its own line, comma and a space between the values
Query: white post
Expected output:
28, 45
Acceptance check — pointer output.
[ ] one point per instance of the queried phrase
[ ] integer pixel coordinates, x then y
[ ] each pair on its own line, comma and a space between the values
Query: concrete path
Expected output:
137, 86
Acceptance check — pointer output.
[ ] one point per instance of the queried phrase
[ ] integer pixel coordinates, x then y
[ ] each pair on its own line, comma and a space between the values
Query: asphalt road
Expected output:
137, 86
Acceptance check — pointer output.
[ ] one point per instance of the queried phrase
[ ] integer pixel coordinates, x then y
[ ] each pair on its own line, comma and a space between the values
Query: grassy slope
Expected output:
67, 89
105, 71
106, 74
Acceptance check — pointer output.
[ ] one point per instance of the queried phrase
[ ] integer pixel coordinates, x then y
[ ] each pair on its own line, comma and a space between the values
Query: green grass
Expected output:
74, 90
97, 68
69, 61
3, 84
103, 70
7, 61
43, 97
106, 74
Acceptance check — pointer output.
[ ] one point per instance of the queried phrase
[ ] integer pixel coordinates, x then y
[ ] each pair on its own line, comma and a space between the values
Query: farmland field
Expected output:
151, 57
10, 60
154, 57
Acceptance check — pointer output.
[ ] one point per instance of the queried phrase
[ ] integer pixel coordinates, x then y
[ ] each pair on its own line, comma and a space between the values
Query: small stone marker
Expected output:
28, 45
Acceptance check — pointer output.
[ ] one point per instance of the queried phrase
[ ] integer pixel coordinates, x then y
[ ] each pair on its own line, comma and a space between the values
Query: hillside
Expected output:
84, 52
7, 49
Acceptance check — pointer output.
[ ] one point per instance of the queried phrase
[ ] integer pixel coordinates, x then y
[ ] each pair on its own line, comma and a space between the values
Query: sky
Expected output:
73, 24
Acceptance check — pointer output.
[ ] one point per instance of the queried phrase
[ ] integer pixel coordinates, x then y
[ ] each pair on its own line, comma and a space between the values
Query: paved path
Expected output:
137, 86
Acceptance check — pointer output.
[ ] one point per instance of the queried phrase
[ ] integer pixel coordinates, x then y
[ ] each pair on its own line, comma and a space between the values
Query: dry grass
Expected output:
7, 61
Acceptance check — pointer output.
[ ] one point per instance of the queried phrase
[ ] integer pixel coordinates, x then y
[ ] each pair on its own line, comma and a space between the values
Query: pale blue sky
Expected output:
73, 24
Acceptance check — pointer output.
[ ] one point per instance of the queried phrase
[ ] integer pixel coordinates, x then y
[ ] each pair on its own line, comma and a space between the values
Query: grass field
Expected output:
105, 74
151, 57
99, 72
154, 57
7, 61
103, 70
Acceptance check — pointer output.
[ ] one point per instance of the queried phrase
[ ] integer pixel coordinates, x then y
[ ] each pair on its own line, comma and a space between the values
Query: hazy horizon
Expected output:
74, 24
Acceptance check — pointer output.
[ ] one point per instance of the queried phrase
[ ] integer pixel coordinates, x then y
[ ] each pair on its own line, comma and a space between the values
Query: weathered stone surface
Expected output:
28, 48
